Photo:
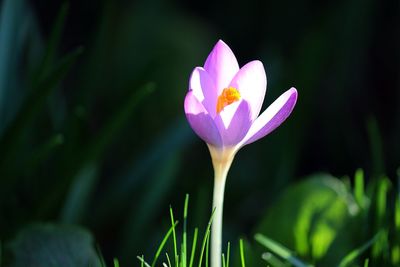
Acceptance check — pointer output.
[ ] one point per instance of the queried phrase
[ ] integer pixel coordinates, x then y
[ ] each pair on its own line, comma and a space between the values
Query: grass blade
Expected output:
101, 257
241, 247
228, 252
168, 260
206, 237
272, 260
116, 263
33, 104
196, 230
359, 188
143, 262
96, 148
115, 123
10, 24
349, 258
165, 239
77, 200
381, 199
174, 236
139, 218
184, 245
207, 251
54, 41
280, 250
43, 152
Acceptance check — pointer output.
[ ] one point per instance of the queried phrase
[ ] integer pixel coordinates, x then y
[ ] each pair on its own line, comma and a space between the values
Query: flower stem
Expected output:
222, 161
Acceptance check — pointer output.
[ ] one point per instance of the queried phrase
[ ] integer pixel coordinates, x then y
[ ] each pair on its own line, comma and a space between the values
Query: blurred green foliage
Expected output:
92, 130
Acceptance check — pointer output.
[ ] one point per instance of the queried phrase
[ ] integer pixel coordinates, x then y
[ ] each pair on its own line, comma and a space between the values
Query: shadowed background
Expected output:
91, 109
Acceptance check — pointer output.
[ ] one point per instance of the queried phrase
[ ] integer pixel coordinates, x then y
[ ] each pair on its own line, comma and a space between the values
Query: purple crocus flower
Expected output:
223, 106
224, 101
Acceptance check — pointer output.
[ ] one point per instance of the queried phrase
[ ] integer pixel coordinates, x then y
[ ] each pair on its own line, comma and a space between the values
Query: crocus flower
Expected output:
223, 102
223, 106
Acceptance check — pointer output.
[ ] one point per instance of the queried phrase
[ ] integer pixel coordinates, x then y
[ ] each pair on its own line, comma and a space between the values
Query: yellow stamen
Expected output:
227, 97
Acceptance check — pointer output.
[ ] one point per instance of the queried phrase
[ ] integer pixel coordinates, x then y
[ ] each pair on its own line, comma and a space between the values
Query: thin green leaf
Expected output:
79, 195
100, 255
116, 263
143, 262
168, 260
170, 141
139, 218
207, 251
272, 260
228, 252
165, 239
184, 246
241, 247
174, 237
395, 255
359, 187
397, 208
280, 250
33, 104
54, 41
43, 152
366, 262
383, 188
116, 122
349, 258
96, 148
11, 19
194, 243
206, 237
223, 260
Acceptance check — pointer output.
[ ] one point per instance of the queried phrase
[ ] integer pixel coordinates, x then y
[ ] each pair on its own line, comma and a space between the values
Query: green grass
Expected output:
181, 261
278, 255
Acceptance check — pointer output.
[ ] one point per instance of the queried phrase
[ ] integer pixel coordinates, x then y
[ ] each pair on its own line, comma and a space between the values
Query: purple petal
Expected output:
200, 121
204, 89
272, 117
234, 122
222, 65
251, 82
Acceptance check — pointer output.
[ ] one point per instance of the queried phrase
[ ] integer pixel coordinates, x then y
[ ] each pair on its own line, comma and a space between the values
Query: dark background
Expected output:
342, 56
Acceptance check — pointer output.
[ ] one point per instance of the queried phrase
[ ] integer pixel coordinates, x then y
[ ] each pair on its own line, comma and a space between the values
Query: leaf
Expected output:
97, 147
142, 210
312, 216
349, 258
169, 142
80, 191
280, 250
10, 24
51, 245
33, 104
54, 41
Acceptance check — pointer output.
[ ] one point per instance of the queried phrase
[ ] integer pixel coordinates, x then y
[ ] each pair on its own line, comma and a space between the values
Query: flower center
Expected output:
227, 97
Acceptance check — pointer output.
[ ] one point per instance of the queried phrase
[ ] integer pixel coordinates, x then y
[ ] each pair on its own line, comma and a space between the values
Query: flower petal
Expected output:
272, 117
204, 89
222, 65
251, 82
234, 122
200, 121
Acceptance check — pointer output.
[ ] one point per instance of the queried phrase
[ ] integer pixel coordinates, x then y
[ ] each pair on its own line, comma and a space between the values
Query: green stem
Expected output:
222, 160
